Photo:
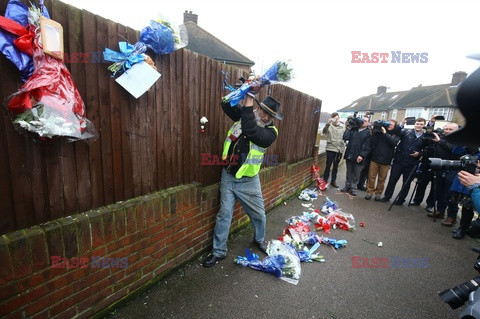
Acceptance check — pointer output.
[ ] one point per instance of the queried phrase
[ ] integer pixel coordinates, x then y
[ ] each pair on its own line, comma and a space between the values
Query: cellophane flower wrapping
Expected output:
270, 264
292, 270
49, 104
163, 37
278, 72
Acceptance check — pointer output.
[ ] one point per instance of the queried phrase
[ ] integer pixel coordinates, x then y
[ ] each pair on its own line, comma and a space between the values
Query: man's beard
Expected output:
259, 121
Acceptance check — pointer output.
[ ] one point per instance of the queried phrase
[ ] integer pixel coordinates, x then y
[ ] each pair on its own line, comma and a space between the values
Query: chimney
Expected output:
458, 77
189, 16
381, 89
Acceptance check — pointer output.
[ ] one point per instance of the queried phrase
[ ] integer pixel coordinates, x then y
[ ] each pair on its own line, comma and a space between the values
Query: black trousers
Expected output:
332, 158
395, 173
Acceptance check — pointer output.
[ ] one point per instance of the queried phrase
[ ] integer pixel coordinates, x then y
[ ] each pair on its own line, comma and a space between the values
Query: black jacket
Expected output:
409, 144
261, 136
383, 147
358, 144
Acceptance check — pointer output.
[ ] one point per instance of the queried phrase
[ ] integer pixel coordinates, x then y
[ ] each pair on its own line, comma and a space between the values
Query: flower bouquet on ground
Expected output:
278, 72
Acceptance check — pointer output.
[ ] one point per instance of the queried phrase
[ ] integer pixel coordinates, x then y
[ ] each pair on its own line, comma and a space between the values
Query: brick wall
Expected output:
154, 234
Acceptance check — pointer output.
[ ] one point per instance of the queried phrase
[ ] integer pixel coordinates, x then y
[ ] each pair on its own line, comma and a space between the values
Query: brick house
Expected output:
420, 101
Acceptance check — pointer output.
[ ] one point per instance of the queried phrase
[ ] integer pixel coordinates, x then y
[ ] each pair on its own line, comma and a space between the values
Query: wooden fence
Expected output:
144, 145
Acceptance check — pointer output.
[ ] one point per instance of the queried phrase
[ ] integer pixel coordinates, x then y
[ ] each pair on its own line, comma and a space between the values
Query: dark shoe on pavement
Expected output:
362, 188
368, 196
398, 202
459, 234
384, 199
353, 192
262, 247
429, 209
345, 190
333, 184
212, 260
449, 221
436, 214
414, 204
378, 198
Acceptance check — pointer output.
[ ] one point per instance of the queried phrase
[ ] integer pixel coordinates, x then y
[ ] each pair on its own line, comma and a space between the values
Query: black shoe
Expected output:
262, 247
429, 209
398, 202
368, 196
362, 188
345, 190
459, 234
333, 184
414, 204
352, 192
384, 199
212, 260
378, 198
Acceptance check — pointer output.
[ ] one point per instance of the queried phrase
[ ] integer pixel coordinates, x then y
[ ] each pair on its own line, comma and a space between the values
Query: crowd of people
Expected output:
374, 149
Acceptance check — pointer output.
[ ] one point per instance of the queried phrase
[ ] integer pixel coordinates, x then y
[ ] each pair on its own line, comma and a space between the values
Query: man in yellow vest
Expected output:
243, 150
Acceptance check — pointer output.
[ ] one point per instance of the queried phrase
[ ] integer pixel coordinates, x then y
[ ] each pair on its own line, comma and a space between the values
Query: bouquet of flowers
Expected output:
163, 38
278, 72
160, 36
48, 103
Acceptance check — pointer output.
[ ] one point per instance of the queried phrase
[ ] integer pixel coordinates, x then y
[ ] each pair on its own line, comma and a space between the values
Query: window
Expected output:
415, 112
394, 114
443, 111
384, 115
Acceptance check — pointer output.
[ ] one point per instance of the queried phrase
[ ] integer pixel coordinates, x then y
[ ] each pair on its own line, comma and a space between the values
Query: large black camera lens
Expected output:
439, 164
457, 296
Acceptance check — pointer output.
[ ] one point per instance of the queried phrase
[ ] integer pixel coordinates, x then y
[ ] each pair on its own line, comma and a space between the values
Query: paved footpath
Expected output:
326, 290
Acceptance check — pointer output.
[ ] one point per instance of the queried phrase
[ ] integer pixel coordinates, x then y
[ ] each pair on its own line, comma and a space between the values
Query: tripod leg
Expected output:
413, 193
404, 186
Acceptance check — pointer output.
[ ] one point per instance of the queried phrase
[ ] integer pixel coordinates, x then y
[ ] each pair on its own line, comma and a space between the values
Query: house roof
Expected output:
374, 102
441, 95
205, 43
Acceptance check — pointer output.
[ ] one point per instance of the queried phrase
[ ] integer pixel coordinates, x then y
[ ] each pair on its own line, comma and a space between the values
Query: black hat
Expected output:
468, 100
271, 106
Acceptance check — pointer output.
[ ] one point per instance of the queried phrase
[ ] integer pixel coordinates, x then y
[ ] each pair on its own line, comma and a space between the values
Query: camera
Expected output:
458, 295
428, 133
354, 122
378, 124
467, 163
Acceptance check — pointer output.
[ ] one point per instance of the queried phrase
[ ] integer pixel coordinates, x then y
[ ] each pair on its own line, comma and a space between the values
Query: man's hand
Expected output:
415, 154
404, 121
384, 131
248, 101
468, 179
359, 159
436, 138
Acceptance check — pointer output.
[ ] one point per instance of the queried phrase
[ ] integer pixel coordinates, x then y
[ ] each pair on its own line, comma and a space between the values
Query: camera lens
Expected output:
456, 296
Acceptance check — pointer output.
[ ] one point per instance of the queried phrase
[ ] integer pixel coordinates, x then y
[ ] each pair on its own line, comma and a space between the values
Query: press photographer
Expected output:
382, 143
443, 178
405, 159
358, 137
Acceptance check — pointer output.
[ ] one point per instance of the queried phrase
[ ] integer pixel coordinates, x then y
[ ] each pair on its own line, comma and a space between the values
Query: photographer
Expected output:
466, 190
443, 179
334, 148
383, 141
358, 148
405, 159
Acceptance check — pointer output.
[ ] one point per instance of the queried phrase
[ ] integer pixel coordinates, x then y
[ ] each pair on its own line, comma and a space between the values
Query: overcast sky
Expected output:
319, 37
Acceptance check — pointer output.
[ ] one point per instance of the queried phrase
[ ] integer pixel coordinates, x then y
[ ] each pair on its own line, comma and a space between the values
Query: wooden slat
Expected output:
78, 71
116, 94
104, 36
92, 102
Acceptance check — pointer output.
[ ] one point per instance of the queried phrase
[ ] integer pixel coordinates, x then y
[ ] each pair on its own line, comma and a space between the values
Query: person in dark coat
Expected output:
407, 155
382, 143
357, 150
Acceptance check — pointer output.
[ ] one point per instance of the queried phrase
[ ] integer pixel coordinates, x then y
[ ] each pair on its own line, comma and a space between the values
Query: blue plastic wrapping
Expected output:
18, 12
158, 37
